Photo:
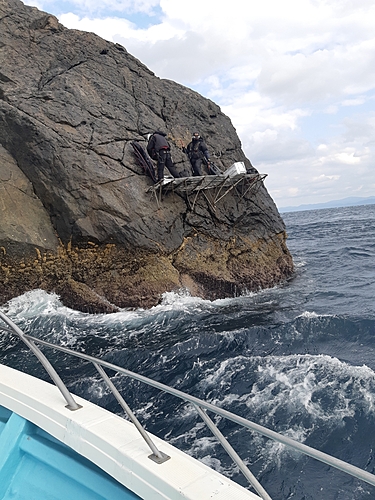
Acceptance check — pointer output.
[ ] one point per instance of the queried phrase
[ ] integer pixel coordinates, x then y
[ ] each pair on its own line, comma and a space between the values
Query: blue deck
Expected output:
34, 465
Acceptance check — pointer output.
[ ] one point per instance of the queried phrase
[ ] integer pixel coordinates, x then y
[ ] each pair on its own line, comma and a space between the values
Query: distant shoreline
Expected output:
345, 202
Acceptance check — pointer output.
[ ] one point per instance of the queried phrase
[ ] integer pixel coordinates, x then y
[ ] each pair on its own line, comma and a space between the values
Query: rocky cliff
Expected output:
76, 216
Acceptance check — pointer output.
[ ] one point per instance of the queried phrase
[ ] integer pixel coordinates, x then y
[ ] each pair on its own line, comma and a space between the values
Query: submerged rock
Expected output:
77, 216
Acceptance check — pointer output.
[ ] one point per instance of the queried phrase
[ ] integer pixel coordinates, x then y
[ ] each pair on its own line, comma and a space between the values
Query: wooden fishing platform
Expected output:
213, 187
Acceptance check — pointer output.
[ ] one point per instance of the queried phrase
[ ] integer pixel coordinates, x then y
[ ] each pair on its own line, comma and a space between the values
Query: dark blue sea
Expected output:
298, 358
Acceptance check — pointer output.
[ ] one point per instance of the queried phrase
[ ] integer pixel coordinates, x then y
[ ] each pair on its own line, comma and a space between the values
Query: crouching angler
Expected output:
159, 150
197, 152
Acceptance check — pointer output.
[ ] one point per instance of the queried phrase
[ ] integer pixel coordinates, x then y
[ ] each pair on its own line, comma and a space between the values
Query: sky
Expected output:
296, 78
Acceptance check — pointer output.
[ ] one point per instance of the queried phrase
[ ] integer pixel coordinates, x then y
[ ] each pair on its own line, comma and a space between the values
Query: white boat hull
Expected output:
32, 461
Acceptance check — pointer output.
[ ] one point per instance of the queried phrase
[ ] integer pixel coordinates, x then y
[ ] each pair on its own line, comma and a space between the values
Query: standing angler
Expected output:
196, 151
158, 148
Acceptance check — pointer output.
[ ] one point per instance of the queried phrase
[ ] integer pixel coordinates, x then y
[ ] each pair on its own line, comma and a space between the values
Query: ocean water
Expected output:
298, 358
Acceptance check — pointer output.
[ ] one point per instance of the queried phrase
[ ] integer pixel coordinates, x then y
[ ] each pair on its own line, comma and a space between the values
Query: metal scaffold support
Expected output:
213, 187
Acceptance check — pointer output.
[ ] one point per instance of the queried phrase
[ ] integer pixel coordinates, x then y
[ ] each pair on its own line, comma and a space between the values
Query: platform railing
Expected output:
201, 407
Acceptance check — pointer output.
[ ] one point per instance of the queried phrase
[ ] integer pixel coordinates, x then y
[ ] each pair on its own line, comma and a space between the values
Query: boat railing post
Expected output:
232, 453
157, 456
72, 405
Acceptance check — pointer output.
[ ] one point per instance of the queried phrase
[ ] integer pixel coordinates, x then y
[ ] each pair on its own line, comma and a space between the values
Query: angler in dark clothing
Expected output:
158, 148
197, 152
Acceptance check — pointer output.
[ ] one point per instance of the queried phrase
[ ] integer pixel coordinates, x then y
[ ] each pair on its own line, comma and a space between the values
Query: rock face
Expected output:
76, 216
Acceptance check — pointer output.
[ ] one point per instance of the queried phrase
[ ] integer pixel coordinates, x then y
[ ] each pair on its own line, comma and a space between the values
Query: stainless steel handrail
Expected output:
157, 456
306, 450
201, 405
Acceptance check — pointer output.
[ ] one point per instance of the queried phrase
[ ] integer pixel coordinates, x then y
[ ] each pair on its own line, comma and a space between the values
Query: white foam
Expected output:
33, 303
41, 303
313, 314
308, 314
322, 389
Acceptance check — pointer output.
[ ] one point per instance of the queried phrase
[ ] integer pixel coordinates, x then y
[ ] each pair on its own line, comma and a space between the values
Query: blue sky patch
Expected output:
96, 10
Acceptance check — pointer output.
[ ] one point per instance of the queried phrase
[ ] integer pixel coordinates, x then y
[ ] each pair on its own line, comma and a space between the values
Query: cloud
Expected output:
325, 178
176, 57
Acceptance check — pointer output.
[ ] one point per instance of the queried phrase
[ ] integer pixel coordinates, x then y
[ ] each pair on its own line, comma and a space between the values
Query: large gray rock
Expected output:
71, 103
24, 220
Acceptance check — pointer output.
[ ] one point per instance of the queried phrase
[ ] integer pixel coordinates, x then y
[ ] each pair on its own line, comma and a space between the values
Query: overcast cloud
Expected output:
297, 78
